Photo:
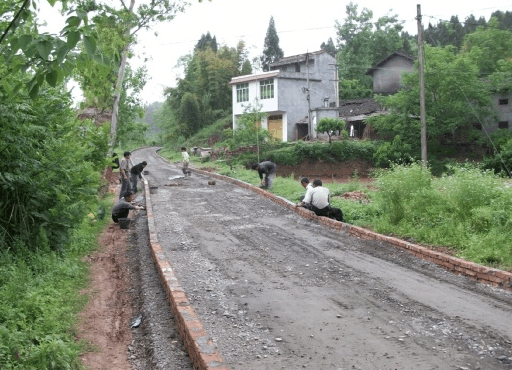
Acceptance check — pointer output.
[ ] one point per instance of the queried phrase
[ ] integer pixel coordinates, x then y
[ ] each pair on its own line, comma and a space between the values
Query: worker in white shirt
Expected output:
319, 200
308, 186
186, 160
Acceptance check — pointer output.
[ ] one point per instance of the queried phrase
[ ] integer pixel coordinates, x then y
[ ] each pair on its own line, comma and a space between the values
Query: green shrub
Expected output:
398, 187
53, 170
395, 152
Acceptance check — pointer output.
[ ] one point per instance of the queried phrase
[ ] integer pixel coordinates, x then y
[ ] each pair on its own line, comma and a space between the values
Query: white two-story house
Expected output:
283, 93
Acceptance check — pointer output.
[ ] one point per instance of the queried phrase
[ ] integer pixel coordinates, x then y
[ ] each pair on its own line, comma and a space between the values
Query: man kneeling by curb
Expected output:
123, 206
318, 200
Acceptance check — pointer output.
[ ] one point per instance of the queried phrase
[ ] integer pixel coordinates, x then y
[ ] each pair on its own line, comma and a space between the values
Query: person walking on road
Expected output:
186, 160
267, 169
319, 200
136, 172
308, 186
122, 207
124, 168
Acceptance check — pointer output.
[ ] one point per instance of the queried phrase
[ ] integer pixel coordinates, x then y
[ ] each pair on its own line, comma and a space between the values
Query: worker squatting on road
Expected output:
318, 200
268, 169
122, 207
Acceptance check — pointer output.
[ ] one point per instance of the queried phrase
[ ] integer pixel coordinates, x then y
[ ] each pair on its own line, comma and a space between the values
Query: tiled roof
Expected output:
385, 60
350, 108
296, 58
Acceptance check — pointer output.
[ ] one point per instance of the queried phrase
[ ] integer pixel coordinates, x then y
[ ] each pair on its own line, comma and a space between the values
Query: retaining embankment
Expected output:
483, 274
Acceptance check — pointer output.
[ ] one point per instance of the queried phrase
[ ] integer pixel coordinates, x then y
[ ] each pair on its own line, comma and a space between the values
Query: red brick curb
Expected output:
483, 274
200, 348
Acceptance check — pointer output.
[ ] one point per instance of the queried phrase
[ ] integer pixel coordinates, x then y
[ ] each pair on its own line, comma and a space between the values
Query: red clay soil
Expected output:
105, 323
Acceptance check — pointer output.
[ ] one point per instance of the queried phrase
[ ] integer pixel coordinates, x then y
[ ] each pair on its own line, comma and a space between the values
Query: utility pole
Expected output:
336, 85
422, 90
310, 129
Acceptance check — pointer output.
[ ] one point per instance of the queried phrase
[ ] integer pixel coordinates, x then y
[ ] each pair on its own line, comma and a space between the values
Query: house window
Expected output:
242, 92
503, 101
267, 89
297, 67
503, 124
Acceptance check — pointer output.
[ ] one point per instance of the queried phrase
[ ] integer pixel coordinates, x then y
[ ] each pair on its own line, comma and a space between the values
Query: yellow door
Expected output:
275, 126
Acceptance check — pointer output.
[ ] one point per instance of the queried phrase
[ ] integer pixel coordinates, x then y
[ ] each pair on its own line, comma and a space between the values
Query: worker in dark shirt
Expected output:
122, 207
267, 169
136, 171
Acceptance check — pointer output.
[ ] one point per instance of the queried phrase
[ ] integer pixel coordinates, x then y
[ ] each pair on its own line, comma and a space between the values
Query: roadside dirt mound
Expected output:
355, 195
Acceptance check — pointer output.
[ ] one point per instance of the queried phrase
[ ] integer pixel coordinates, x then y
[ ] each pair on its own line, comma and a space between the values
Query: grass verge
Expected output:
40, 301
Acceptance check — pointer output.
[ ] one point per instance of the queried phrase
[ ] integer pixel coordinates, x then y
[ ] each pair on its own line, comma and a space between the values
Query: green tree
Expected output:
207, 75
454, 94
47, 59
330, 126
329, 46
271, 50
362, 44
190, 113
134, 20
489, 45
207, 41
132, 129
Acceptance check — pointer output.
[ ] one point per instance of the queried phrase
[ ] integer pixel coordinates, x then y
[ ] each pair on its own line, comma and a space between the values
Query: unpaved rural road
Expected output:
276, 291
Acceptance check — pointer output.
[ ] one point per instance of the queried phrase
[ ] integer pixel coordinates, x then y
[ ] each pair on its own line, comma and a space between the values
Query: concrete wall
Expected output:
292, 98
504, 111
387, 78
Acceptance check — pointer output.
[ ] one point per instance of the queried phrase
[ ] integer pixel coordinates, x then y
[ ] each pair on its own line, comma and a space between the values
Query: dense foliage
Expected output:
453, 31
52, 169
203, 96
455, 98
361, 44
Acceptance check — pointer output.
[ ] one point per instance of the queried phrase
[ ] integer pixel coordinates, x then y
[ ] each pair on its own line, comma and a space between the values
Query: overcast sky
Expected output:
301, 25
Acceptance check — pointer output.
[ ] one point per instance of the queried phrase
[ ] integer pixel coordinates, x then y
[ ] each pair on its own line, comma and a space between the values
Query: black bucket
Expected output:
153, 189
124, 223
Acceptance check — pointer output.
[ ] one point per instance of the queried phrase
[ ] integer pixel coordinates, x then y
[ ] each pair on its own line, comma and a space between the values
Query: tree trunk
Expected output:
117, 93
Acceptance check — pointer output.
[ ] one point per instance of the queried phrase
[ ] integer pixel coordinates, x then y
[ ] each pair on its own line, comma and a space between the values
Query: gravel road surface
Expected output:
276, 291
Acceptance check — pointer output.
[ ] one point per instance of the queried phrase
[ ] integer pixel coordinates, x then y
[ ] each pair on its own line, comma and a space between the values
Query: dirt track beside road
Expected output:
277, 291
